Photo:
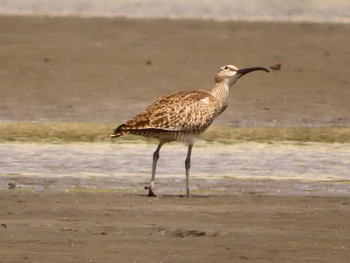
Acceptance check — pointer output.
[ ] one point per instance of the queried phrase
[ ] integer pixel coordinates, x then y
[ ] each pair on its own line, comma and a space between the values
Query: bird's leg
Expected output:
187, 167
154, 166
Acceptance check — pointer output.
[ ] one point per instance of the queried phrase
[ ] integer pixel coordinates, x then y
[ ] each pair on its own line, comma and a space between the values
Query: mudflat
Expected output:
107, 70
102, 226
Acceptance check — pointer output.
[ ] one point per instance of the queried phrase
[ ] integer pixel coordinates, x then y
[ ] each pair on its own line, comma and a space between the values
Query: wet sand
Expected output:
216, 163
110, 218
106, 70
129, 227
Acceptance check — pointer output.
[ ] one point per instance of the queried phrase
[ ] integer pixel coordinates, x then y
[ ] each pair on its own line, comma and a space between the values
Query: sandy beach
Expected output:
105, 70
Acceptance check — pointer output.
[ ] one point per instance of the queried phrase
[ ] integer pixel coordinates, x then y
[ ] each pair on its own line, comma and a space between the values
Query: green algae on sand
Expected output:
65, 132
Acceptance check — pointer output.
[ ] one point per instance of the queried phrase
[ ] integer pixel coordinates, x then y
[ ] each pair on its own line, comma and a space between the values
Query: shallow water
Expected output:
312, 161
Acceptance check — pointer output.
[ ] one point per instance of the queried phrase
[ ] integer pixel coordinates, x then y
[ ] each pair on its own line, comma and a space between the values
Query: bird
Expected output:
183, 116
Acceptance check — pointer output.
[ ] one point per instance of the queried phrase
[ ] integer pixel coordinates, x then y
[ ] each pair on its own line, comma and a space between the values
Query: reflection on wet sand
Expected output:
215, 167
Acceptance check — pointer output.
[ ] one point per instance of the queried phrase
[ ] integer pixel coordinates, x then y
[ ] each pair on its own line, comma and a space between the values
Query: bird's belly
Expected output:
169, 136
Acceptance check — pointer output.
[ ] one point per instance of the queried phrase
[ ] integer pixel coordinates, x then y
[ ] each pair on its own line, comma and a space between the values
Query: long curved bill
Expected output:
244, 71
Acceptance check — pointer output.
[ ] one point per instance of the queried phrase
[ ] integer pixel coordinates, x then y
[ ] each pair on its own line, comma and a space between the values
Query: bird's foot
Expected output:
150, 191
188, 193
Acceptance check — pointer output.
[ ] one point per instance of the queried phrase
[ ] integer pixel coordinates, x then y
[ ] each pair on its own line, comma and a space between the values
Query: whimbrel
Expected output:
182, 116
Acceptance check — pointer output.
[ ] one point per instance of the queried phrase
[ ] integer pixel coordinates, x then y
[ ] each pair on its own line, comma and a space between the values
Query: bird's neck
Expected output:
220, 94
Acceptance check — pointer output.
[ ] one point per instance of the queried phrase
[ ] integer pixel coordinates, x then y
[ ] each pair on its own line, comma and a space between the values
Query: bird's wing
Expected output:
180, 111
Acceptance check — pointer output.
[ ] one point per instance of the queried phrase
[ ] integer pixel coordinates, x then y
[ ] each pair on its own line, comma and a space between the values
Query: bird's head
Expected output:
231, 73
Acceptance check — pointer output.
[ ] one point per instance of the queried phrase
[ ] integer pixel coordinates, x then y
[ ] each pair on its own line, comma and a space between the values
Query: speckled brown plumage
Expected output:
182, 116
171, 117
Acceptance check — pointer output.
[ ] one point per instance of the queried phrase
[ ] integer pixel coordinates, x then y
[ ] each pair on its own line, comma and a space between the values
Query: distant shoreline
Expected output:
321, 11
174, 18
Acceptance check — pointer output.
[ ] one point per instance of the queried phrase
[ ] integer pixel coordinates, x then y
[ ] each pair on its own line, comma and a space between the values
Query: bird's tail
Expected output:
119, 131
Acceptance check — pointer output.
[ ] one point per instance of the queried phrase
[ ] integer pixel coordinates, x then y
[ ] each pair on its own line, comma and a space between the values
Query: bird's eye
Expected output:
226, 67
